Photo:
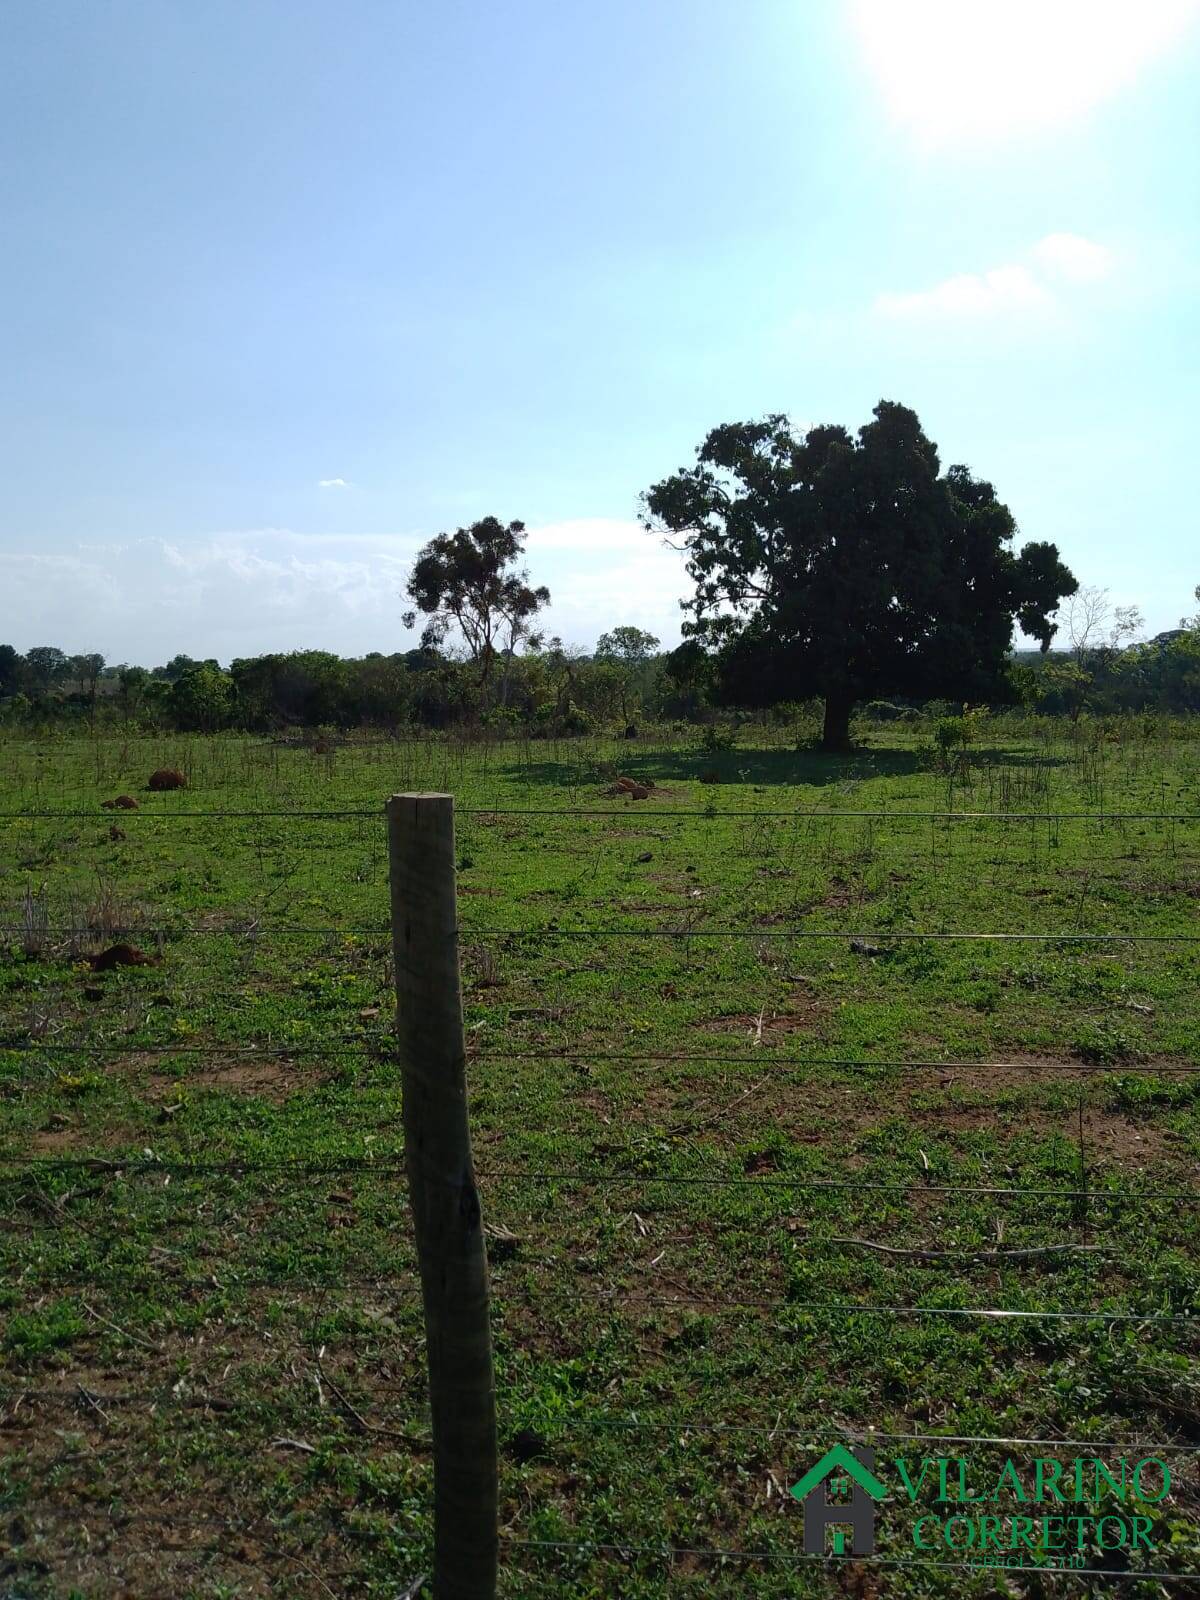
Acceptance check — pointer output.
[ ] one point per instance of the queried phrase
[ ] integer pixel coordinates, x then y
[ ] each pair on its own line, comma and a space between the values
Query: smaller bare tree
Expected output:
469, 580
1097, 632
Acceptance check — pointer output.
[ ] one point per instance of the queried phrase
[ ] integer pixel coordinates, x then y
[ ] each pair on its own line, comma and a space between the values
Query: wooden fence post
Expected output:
445, 1205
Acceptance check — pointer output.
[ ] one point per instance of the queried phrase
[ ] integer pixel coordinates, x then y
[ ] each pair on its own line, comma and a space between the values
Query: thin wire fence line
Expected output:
811, 1438
669, 1552
884, 936
822, 1308
86, 1396
240, 1052
389, 1165
816, 1438
401, 1297
54, 1216
503, 1293
762, 1057
206, 1267
280, 1521
635, 809
258, 931
283, 1521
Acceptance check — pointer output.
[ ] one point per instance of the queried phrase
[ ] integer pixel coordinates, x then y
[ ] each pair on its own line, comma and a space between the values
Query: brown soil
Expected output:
273, 1078
166, 778
771, 1027
823, 1112
120, 955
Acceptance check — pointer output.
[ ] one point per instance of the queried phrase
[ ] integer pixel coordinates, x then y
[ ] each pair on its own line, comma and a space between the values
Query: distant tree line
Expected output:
831, 567
549, 689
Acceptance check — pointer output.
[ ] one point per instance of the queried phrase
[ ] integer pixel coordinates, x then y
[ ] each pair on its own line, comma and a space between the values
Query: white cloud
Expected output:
1020, 287
989, 70
1078, 260
238, 594
970, 294
332, 483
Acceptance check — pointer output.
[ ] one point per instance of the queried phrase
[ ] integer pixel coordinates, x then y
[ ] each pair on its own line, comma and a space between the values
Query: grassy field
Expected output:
725, 1063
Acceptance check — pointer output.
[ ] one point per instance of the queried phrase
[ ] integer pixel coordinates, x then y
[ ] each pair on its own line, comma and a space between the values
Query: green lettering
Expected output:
917, 1539
1052, 1533
1165, 1488
1140, 1529
1046, 1473
914, 1489
1022, 1532
969, 1528
989, 1532
1116, 1523
1010, 1474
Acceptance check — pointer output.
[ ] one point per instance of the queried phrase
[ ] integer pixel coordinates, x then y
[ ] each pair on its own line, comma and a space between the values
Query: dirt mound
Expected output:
167, 778
630, 787
122, 802
120, 955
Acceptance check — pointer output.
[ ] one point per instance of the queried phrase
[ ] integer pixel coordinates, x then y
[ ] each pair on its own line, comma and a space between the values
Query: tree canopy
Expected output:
846, 566
626, 643
470, 579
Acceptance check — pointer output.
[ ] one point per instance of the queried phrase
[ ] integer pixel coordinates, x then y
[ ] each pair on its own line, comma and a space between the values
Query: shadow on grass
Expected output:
812, 768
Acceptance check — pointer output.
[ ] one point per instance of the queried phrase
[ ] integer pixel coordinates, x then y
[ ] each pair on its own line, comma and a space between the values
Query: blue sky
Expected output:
290, 287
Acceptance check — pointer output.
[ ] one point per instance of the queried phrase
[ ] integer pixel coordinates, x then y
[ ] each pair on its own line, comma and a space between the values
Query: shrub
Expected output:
717, 741
951, 733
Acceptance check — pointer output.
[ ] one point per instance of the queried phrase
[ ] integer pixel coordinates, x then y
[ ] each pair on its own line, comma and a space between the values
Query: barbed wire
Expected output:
814, 1438
710, 1304
820, 1308
234, 1166
634, 809
208, 1263
386, 1044
382, 933
384, 1047
670, 1552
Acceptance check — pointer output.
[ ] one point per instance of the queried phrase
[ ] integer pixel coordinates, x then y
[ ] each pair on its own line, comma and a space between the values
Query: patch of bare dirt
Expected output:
646, 906
765, 1027
61, 1139
833, 1112
842, 894
273, 1078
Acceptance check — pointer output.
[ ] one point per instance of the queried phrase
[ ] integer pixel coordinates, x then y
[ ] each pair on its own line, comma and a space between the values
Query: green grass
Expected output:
165, 1328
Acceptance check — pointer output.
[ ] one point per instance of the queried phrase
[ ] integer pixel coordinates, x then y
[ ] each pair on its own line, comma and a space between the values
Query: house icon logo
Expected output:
849, 1475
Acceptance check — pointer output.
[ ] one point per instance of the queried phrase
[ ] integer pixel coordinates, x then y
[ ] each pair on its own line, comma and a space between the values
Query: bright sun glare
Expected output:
986, 70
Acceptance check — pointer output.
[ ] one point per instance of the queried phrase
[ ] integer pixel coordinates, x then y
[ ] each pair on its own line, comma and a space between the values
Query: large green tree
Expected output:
625, 653
47, 666
12, 669
851, 566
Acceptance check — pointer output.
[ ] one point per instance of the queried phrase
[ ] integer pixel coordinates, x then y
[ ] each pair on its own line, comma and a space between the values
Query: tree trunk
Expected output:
835, 737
